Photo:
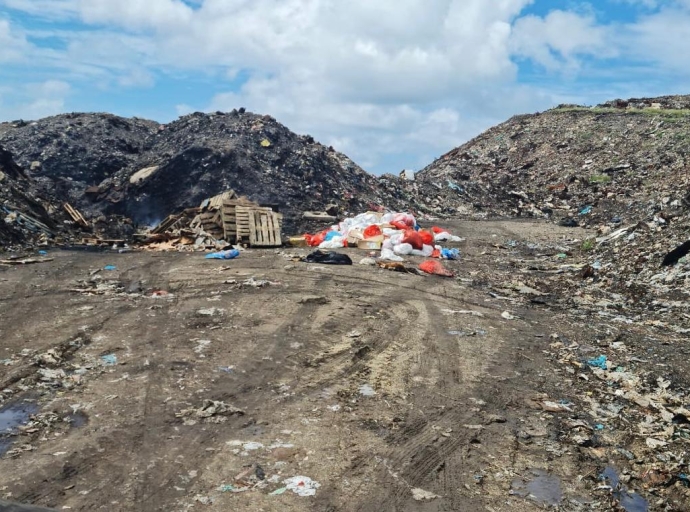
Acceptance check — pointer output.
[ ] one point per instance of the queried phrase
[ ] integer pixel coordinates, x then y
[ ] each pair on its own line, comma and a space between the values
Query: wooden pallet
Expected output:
76, 216
235, 229
166, 224
265, 228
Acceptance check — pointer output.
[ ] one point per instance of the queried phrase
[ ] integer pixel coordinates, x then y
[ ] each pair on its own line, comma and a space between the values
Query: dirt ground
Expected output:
394, 392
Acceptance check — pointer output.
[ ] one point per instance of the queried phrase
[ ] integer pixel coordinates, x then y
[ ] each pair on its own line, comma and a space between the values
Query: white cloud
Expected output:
374, 78
47, 9
660, 38
559, 39
13, 43
36, 100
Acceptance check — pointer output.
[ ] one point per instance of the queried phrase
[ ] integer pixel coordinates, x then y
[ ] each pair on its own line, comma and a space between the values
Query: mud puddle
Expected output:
12, 416
628, 501
544, 488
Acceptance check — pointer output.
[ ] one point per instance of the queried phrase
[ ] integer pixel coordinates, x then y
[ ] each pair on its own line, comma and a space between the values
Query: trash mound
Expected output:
24, 216
70, 154
202, 155
619, 168
585, 165
395, 234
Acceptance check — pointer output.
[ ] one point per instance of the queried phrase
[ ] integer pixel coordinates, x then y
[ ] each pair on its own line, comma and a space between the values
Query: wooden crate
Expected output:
233, 229
265, 228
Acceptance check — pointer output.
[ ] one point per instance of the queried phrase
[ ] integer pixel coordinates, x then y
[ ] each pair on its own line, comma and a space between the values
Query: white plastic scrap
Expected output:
302, 485
422, 495
366, 390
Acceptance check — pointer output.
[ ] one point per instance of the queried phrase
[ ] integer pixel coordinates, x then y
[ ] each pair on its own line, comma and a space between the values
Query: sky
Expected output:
393, 84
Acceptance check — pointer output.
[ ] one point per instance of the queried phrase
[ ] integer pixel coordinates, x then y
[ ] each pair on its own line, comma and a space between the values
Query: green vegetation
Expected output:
588, 245
668, 113
600, 178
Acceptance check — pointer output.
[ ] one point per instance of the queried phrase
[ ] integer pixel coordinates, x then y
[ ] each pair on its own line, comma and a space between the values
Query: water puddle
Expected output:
78, 419
544, 488
628, 501
12, 416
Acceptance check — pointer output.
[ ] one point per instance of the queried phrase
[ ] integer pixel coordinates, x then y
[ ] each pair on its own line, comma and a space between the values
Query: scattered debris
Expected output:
302, 486
212, 411
422, 495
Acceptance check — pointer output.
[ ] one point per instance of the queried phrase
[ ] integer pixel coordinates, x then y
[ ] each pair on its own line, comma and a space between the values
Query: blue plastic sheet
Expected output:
450, 254
223, 255
599, 362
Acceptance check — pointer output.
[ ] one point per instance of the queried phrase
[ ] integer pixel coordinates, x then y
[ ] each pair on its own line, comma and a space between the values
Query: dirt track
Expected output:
450, 415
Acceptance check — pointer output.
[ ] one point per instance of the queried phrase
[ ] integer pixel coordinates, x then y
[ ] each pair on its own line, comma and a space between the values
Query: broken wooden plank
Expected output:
28, 261
76, 216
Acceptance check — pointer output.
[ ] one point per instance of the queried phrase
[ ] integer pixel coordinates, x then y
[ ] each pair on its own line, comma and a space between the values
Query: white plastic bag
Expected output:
387, 254
403, 249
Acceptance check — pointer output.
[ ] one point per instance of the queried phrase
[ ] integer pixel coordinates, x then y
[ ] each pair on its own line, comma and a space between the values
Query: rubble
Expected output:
618, 168
211, 411
201, 155
219, 223
70, 154
23, 215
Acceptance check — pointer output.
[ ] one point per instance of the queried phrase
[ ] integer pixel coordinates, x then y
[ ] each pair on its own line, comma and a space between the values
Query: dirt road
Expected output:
178, 383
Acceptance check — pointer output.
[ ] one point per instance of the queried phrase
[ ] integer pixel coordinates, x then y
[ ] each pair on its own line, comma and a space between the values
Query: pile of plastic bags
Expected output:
396, 234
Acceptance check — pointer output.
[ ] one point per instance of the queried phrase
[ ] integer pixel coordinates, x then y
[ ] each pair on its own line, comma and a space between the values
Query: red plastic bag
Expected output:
413, 238
436, 253
403, 221
372, 231
316, 240
427, 237
435, 267
438, 230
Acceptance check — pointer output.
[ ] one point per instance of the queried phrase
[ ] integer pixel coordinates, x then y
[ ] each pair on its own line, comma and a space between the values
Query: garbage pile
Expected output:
201, 155
106, 165
619, 168
217, 224
70, 154
396, 235
576, 165
24, 216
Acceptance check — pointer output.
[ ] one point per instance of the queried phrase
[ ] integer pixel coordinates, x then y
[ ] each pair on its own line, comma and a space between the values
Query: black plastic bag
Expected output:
328, 258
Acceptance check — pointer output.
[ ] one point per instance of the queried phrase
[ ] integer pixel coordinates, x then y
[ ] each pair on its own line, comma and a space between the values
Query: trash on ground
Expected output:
223, 255
328, 258
366, 390
109, 359
211, 411
436, 268
422, 495
302, 485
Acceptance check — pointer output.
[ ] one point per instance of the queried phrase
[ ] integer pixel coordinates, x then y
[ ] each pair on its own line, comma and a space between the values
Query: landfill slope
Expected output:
621, 168
18, 194
201, 155
615, 158
68, 155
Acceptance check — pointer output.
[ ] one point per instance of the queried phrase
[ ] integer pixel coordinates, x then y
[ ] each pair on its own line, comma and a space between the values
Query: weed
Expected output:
600, 178
587, 245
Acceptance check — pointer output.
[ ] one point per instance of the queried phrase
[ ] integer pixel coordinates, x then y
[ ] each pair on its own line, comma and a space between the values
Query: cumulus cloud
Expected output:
13, 43
557, 40
35, 100
374, 78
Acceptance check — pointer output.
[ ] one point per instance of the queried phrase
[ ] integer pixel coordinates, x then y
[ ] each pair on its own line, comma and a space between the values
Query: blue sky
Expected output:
392, 83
